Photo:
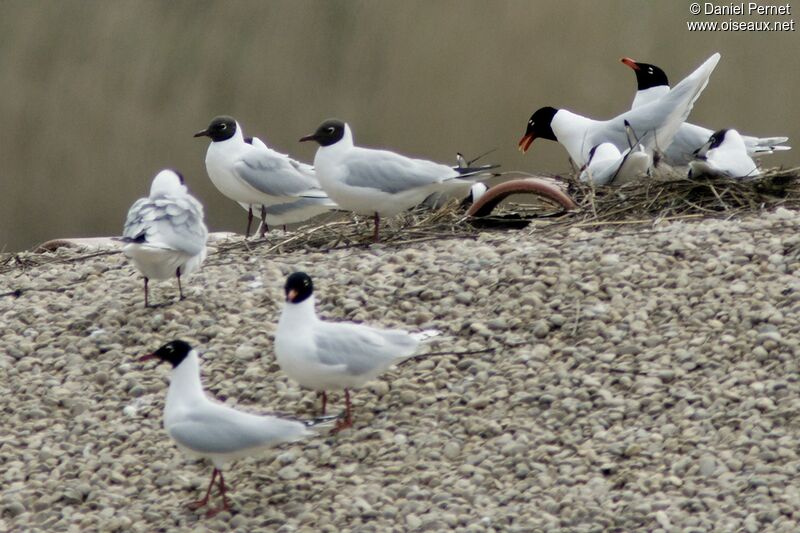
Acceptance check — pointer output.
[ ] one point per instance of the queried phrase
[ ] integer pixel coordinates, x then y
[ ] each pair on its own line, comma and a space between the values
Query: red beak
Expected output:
526, 142
630, 62
291, 295
147, 357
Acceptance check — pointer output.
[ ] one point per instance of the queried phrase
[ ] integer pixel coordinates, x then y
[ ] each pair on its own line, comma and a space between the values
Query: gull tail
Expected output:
322, 424
474, 171
765, 145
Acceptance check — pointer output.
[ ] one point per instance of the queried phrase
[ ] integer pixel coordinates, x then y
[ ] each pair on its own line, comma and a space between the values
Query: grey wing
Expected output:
234, 431
273, 173
174, 222
393, 173
361, 349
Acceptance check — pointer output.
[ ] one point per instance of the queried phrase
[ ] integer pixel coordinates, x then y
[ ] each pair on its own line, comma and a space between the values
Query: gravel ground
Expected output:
644, 378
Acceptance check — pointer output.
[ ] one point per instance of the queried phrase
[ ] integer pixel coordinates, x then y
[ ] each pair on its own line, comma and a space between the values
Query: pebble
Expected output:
626, 390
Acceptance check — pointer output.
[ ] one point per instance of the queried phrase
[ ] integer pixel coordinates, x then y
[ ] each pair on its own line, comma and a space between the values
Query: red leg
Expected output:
146, 304
348, 415
376, 237
225, 506
249, 221
200, 503
324, 401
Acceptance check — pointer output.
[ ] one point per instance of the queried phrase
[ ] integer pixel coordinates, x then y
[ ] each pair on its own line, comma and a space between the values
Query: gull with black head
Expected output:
331, 356
164, 233
205, 428
656, 122
375, 182
652, 84
723, 155
247, 171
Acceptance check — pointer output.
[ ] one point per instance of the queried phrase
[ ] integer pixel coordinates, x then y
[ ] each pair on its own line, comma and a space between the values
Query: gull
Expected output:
205, 428
164, 233
608, 166
258, 177
724, 154
326, 356
657, 122
652, 84
374, 182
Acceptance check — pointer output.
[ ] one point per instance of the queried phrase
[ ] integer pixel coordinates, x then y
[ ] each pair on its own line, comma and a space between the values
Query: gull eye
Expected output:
223, 126
330, 129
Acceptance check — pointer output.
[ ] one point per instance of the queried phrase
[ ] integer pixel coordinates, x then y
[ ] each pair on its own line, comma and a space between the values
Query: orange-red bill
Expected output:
526, 142
291, 295
630, 62
147, 357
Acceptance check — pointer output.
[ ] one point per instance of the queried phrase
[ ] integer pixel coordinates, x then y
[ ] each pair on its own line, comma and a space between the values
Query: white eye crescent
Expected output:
330, 129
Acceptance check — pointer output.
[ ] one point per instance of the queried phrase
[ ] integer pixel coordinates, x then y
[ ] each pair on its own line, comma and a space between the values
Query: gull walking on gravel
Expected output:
205, 428
327, 356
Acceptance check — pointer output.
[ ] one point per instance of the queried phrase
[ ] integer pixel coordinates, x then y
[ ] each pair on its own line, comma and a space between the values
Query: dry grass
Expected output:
667, 197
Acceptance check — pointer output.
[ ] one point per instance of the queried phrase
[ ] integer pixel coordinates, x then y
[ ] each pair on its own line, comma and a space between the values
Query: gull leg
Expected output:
146, 303
178, 275
324, 401
264, 227
376, 237
249, 221
200, 503
348, 415
225, 506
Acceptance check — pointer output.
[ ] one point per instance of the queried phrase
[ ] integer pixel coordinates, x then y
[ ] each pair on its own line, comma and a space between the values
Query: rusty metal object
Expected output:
544, 187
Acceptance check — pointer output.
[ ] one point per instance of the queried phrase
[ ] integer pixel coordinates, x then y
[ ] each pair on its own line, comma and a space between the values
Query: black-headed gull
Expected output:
652, 84
205, 428
608, 166
656, 123
164, 233
379, 182
724, 154
329, 356
258, 177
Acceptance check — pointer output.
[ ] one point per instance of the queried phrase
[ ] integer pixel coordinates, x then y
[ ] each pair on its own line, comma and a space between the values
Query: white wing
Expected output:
658, 122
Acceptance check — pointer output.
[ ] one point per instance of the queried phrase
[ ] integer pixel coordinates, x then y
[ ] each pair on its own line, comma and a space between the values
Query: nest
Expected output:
668, 196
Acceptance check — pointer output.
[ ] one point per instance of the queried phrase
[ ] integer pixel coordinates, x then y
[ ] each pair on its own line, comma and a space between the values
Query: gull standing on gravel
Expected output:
656, 122
328, 356
374, 182
205, 428
164, 233
724, 154
286, 191
652, 84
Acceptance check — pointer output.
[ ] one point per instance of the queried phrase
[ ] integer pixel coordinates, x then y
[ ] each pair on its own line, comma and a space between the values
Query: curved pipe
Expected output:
540, 187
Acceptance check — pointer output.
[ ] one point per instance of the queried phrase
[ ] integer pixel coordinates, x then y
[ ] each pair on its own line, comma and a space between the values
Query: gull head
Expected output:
647, 75
221, 128
539, 126
329, 132
173, 353
167, 182
298, 287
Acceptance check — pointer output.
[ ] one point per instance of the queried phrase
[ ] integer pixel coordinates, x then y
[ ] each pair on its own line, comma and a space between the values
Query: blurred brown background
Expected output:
97, 96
